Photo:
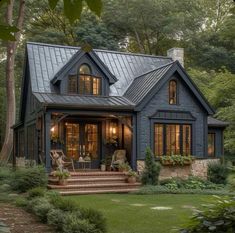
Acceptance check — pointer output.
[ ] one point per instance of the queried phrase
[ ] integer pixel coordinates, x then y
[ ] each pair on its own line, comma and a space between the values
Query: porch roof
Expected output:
213, 122
95, 102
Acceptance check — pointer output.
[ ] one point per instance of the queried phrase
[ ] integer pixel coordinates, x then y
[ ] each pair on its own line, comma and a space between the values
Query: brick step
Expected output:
83, 192
97, 173
93, 174
85, 180
93, 186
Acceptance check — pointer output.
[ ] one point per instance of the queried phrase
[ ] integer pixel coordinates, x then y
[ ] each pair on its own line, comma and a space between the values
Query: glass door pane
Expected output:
72, 140
91, 141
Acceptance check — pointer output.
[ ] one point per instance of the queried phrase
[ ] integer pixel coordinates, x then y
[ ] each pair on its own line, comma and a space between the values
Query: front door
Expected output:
82, 140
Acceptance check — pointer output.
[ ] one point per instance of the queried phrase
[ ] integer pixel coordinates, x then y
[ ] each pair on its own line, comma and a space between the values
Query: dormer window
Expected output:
172, 92
84, 82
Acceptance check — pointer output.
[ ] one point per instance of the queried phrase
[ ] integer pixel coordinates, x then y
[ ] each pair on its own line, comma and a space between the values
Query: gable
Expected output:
151, 84
83, 57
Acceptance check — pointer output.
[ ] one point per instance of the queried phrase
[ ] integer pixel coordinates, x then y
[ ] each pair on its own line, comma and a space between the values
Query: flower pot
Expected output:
62, 181
166, 163
103, 167
131, 179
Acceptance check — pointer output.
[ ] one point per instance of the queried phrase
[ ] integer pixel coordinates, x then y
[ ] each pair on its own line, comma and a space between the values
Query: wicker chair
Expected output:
119, 157
60, 159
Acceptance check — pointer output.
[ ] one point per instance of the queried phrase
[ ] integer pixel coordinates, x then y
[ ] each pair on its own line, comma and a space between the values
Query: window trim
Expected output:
164, 149
176, 92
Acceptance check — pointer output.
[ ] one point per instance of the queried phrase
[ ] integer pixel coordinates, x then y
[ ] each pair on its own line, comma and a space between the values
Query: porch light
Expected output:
113, 129
53, 129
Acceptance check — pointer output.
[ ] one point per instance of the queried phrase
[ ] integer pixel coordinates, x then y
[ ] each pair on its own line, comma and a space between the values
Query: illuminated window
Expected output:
84, 83
172, 139
172, 92
211, 144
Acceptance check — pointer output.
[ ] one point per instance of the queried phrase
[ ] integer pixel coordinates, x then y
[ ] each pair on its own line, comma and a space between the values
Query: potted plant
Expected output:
62, 174
103, 165
131, 176
124, 167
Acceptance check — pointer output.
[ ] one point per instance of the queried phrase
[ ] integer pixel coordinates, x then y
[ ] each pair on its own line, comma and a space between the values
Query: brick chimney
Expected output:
176, 54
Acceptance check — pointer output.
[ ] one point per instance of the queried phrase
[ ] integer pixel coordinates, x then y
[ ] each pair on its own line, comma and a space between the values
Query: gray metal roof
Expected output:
213, 122
46, 60
76, 101
143, 84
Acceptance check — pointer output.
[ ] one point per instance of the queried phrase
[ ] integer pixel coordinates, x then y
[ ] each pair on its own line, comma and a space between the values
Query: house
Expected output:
91, 102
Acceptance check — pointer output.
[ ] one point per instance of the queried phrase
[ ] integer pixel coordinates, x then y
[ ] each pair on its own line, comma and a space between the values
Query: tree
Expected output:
72, 10
10, 81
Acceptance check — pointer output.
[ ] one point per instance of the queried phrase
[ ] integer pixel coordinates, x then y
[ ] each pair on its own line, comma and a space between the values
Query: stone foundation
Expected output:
197, 168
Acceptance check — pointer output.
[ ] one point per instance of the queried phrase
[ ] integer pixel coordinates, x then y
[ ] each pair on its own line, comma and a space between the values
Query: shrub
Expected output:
218, 218
36, 192
217, 173
152, 169
192, 182
55, 217
63, 204
231, 182
25, 179
5, 175
95, 218
74, 224
41, 207
21, 202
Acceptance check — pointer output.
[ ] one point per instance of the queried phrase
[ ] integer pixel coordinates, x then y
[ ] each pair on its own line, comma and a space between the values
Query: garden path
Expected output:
20, 221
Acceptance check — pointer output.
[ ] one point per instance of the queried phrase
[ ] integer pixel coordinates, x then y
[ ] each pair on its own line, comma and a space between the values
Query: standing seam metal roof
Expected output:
45, 60
144, 83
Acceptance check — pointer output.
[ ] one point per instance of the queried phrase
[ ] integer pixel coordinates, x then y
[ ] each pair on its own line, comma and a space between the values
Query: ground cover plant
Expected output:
218, 217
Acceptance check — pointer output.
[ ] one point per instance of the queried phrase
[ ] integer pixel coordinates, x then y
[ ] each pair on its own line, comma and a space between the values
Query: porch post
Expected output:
134, 143
47, 139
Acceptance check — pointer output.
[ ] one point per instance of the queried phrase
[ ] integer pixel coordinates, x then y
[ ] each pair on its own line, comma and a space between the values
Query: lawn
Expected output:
128, 213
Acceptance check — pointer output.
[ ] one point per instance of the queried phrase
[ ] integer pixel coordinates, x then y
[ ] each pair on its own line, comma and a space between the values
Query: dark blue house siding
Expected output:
186, 102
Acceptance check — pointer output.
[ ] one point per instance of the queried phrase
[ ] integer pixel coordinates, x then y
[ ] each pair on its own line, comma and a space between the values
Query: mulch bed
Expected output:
20, 221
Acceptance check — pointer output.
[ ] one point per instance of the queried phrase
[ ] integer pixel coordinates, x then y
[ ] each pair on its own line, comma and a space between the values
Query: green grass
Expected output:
123, 217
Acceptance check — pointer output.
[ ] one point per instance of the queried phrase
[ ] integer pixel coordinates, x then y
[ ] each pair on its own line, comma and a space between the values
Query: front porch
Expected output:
89, 136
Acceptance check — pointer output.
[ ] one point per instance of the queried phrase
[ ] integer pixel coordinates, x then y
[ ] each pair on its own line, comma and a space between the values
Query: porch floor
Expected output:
93, 181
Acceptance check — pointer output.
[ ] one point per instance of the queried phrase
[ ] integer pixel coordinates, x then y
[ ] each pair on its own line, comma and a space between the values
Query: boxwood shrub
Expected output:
217, 173
24, 179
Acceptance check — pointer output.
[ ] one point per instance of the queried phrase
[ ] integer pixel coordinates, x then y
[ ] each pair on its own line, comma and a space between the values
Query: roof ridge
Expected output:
99, 50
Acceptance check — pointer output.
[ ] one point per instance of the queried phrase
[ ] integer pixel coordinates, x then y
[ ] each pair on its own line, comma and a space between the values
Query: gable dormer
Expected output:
84, 74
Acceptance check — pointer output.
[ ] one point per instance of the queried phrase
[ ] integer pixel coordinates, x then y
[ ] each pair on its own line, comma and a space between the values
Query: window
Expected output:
84, 83
172, 139
211, 144
172, 92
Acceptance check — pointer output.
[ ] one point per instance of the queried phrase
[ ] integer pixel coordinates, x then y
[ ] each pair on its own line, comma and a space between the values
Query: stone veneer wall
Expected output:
197, 168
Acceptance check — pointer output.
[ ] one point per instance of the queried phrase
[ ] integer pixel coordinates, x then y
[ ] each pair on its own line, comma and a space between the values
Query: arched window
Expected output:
172, 92
84, 69
84, 82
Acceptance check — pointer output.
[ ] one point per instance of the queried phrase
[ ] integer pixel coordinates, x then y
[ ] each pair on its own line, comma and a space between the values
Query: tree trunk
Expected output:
10, 80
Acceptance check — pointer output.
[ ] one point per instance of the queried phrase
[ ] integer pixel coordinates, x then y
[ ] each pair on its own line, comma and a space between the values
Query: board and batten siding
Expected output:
186, 102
